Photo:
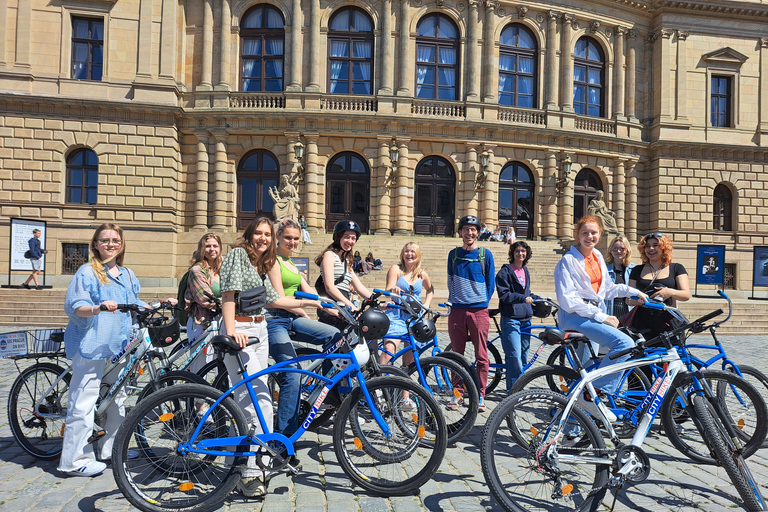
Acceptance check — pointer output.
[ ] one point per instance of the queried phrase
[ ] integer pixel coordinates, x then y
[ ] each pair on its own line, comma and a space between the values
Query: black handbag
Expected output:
253, 299
28, 254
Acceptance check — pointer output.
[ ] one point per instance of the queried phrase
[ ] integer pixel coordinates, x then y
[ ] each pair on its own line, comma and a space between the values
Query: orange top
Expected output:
592, 267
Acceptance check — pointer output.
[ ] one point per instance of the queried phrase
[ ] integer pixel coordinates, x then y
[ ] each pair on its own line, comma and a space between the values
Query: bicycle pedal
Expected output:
97, 434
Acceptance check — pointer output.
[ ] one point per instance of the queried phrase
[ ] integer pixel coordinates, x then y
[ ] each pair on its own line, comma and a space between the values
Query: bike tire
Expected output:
398, 464
558, 379
516, 464
727, 455
211, 371
444, 378
757, 379
748, 415
171, 378
496, 369
41, 437
162, 478
464, 362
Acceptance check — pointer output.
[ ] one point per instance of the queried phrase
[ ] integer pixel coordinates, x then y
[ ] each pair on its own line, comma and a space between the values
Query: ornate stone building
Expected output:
176, 116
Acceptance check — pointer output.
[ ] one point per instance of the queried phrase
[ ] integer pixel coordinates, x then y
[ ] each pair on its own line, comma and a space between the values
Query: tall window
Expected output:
262, 39
588, 68
517, 67
721, 101
437, 50
87, 48
257, 173
722, 208
350, 52
82, 177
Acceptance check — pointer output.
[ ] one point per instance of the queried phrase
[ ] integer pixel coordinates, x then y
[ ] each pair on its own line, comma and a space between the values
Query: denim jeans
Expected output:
281, 349
515, 347
605, 336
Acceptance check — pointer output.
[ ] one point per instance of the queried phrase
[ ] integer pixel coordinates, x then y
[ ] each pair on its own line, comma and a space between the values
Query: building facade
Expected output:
172, 117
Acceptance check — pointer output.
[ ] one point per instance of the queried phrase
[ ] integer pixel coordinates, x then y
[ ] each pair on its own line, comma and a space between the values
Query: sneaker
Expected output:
252, 487
596, 410
455, 403
481, 405
130, 455
38, 287
25, 285
92, 468
408, 405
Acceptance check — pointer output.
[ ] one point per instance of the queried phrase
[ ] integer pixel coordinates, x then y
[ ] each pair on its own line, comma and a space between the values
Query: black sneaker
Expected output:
25, 285
38, 287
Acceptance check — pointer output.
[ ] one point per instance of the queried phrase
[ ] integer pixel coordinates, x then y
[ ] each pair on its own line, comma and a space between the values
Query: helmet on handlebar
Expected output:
374, 324
166, 333
424, 330
541, 309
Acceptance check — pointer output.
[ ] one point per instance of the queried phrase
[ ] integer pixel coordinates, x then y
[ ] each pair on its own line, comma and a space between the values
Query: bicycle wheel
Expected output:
757, 379
559, 379
447, 380
162, 477
496, 368
742, 403
39, 436
726, 454
213, 374
169, 379
398, 463
521, 470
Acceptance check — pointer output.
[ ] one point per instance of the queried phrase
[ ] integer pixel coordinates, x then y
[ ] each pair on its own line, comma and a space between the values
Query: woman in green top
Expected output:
245, 267
286, 279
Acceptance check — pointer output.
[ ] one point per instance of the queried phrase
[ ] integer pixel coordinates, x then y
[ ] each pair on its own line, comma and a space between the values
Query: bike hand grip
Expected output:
327, 305
393, 306
383, 292
304, 295
709, 316
722, 294
623, 353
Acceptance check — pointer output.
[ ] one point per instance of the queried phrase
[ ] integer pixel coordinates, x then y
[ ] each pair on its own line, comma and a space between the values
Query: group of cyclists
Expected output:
254, 286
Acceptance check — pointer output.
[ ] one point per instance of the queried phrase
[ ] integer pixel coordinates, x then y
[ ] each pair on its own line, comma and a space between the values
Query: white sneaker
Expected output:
408, 405
92, 468
597, 410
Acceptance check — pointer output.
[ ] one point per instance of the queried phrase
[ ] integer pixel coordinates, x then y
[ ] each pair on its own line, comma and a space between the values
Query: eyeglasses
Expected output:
618, 249
107, 241
655, 234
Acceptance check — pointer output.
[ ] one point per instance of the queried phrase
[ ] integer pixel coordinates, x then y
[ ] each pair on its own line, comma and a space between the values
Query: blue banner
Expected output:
710, 262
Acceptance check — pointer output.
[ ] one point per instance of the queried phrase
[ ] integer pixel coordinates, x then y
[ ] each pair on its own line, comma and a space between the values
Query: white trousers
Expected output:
255, 358
83, 393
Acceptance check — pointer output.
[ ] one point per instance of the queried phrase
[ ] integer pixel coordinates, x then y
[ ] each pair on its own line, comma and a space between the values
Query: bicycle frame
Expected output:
203, 340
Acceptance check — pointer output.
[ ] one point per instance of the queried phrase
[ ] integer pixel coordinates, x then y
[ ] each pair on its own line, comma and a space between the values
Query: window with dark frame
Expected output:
74, 257
720, 101
82, 177
517, 67
350, 52
437, 58
588, 78
257, 172
87, 48
262, 48
722, 208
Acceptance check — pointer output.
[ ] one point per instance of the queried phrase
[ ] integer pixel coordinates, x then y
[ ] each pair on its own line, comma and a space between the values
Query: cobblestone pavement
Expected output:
675, 484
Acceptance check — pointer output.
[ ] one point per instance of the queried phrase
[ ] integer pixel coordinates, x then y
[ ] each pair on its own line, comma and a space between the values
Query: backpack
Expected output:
480, 258
181, 307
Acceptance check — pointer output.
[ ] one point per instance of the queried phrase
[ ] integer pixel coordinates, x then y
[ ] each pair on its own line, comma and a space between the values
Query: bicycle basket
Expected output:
166, 334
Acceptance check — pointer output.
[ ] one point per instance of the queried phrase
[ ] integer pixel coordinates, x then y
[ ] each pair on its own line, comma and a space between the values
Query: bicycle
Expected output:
37, 403
538, 446
192, 460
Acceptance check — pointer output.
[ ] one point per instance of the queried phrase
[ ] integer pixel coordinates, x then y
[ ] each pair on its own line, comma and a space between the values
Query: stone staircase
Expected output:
44, 308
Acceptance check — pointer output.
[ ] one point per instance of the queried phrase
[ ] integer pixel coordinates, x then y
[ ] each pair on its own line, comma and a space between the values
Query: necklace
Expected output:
655, 270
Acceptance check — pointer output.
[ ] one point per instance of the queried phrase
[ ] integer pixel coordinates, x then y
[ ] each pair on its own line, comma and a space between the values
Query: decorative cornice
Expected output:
553, 15
594, 26
620, 31
569, 19
725, 55
521, 11
721, 8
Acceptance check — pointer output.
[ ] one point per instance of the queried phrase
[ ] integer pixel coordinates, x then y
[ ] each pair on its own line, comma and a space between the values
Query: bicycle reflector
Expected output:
165, 335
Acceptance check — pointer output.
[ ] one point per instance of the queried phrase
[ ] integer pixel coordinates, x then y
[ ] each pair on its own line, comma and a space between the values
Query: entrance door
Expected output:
516, 199
434, 199
257, 173
585, 189
347, 190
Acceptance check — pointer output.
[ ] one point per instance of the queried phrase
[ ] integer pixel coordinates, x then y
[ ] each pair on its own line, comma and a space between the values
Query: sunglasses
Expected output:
655, 234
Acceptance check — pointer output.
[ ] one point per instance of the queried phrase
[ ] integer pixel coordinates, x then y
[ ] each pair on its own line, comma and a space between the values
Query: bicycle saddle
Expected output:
228, 345
558, 337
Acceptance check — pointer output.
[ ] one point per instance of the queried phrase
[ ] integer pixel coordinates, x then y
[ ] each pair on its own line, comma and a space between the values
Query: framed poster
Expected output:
760, 266
710, 266
21, 232
303, 265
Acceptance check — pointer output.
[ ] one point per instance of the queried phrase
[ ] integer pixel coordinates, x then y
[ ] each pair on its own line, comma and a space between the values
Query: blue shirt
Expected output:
468, 287
34, 248
105, 334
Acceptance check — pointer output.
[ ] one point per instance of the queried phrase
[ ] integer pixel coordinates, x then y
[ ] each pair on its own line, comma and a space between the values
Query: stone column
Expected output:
566, 64
315, 184
473, 62
4, 32
619, 199
549, 222
380, 210
489, 212
490, 67
201, 184
662, 98
565, 204
226, 49
24, 33
220, 181
550, 77
468, 192
681, 90
629, 108
404, 201
144, 66
404, 88
619, 73
314, 46
168, 40
207, 69
387, 57
296, 47
630, 226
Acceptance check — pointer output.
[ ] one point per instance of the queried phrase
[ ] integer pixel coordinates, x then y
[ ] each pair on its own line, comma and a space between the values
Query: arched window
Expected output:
347, 189
517, 67
437, 51
588, 78
516, 198
350, 52
257, 173
82, 177
722, 208
262, 39
435, 197
585, 188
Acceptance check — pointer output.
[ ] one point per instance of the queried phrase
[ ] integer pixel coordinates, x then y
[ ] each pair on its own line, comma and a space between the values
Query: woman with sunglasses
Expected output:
583, 287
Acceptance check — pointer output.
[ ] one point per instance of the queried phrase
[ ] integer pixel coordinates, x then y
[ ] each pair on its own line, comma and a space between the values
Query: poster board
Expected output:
710, 264
21, 232
760, 266
303, 265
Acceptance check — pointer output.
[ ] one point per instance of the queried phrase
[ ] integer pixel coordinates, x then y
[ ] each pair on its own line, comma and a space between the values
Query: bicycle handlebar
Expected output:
304, 295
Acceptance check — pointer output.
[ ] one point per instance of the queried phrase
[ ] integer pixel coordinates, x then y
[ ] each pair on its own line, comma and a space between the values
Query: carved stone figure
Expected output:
598, 208
286, 200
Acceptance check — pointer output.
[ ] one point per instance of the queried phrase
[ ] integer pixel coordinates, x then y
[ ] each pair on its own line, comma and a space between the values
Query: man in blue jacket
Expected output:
470, 287
36, 257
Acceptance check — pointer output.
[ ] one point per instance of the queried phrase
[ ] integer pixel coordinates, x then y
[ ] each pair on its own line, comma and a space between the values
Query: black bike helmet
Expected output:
470, 220
541, 309
346, 225
424, 330
374, 324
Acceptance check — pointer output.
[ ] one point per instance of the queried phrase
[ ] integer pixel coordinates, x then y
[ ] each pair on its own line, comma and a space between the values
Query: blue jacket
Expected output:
35, 248
512, 294
612, 274
468, 287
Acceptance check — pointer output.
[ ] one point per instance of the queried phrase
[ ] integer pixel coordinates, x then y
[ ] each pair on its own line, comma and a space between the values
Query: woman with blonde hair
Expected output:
619, 267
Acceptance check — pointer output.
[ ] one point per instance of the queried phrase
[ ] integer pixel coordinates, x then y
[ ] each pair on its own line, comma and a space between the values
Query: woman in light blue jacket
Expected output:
619, 267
